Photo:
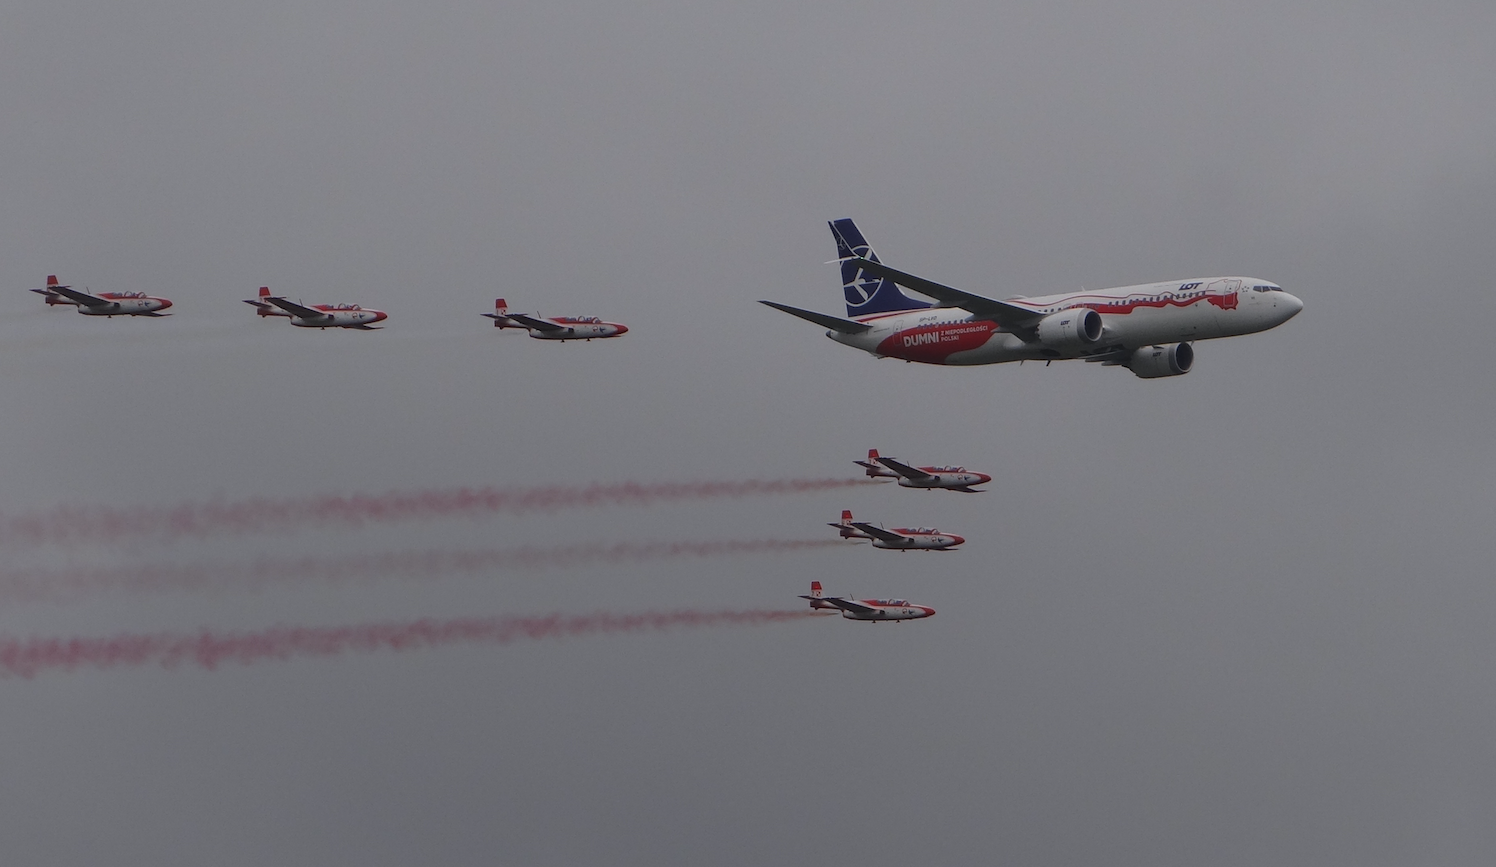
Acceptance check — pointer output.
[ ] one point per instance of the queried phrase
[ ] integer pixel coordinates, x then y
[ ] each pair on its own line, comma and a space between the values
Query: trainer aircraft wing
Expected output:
878, 532
1010, 316
843, 604
83, 298
906, 471
295, 309
843, 326
537, 324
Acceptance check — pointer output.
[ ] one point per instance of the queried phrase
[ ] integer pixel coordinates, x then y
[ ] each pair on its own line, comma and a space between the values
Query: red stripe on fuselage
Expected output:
936, 343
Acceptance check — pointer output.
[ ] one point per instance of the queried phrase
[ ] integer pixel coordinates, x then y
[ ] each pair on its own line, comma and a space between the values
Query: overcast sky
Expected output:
1240, 617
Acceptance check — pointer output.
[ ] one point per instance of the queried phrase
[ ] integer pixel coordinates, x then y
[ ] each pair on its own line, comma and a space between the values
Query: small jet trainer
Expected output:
898, 539
865, 609
104, 303
556, 327
316, 315
1147, 329
929, 478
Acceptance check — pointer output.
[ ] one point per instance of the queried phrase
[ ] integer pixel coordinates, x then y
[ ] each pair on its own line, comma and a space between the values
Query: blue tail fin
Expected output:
865, 293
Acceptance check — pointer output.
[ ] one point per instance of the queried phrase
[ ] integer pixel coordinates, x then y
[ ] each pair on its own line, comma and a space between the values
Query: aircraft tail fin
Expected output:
815, 589
262, 307
500, 315
52, 280
866, 293
845, 526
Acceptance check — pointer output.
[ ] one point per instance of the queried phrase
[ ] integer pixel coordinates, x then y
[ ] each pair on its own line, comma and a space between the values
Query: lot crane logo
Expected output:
858, 286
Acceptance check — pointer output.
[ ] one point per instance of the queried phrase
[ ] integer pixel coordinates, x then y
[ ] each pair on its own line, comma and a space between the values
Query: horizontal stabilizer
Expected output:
841, 326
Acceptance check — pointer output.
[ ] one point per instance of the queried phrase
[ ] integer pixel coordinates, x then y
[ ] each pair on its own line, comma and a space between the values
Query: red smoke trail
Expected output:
56, 584
94, 524
32, 656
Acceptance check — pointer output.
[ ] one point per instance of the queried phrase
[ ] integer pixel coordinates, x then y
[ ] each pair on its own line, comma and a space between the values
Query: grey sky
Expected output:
1240, 617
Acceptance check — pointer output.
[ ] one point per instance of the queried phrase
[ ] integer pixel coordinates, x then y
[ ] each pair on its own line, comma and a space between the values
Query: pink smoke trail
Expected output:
29, 585
29, 657
96, 524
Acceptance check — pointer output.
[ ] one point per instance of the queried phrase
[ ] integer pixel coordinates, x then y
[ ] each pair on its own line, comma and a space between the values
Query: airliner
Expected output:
1147, 329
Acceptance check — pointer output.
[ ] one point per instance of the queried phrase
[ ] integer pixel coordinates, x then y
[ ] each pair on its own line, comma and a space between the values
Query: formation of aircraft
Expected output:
865, 609
898, 539
316, 315
929, 478
104, 303
1148, 328
556, 327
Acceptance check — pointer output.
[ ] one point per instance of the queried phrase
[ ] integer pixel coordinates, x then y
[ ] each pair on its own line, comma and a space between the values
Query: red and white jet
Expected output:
104, 303
929, 478
316, 315
899, 538
555, 327
865, 609
1147, 329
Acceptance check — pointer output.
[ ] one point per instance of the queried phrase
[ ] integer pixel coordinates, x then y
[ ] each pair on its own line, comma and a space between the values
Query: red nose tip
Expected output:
164, 304
959, 540
623, 329
380, 316
985, 478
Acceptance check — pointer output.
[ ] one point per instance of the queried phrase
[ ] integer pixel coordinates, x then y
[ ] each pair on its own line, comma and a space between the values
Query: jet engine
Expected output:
1170, 359
1071, 331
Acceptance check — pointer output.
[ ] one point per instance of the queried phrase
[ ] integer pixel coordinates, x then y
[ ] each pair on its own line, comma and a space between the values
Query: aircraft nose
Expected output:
985, 478
622, 329
1292, 306
380, 316
929, 612
164, 304
957, 540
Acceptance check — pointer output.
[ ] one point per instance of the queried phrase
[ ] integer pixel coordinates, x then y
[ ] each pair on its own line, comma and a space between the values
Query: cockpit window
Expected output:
1264, 288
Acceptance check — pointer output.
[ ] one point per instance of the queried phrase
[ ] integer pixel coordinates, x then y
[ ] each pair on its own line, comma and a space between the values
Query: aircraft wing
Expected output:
537, 324
843, 604
906, 471
295, 309
1010, 316
843, 326
83, 298
878, 532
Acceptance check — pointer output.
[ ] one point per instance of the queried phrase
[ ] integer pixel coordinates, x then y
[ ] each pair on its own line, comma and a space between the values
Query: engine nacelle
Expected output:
1170, 359
1071, 331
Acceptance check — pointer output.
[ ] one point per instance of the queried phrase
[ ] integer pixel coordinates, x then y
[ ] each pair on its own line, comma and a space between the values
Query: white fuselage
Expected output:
945, 479
120, 304
338, 319
1132, 317
882, 609
909, 540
